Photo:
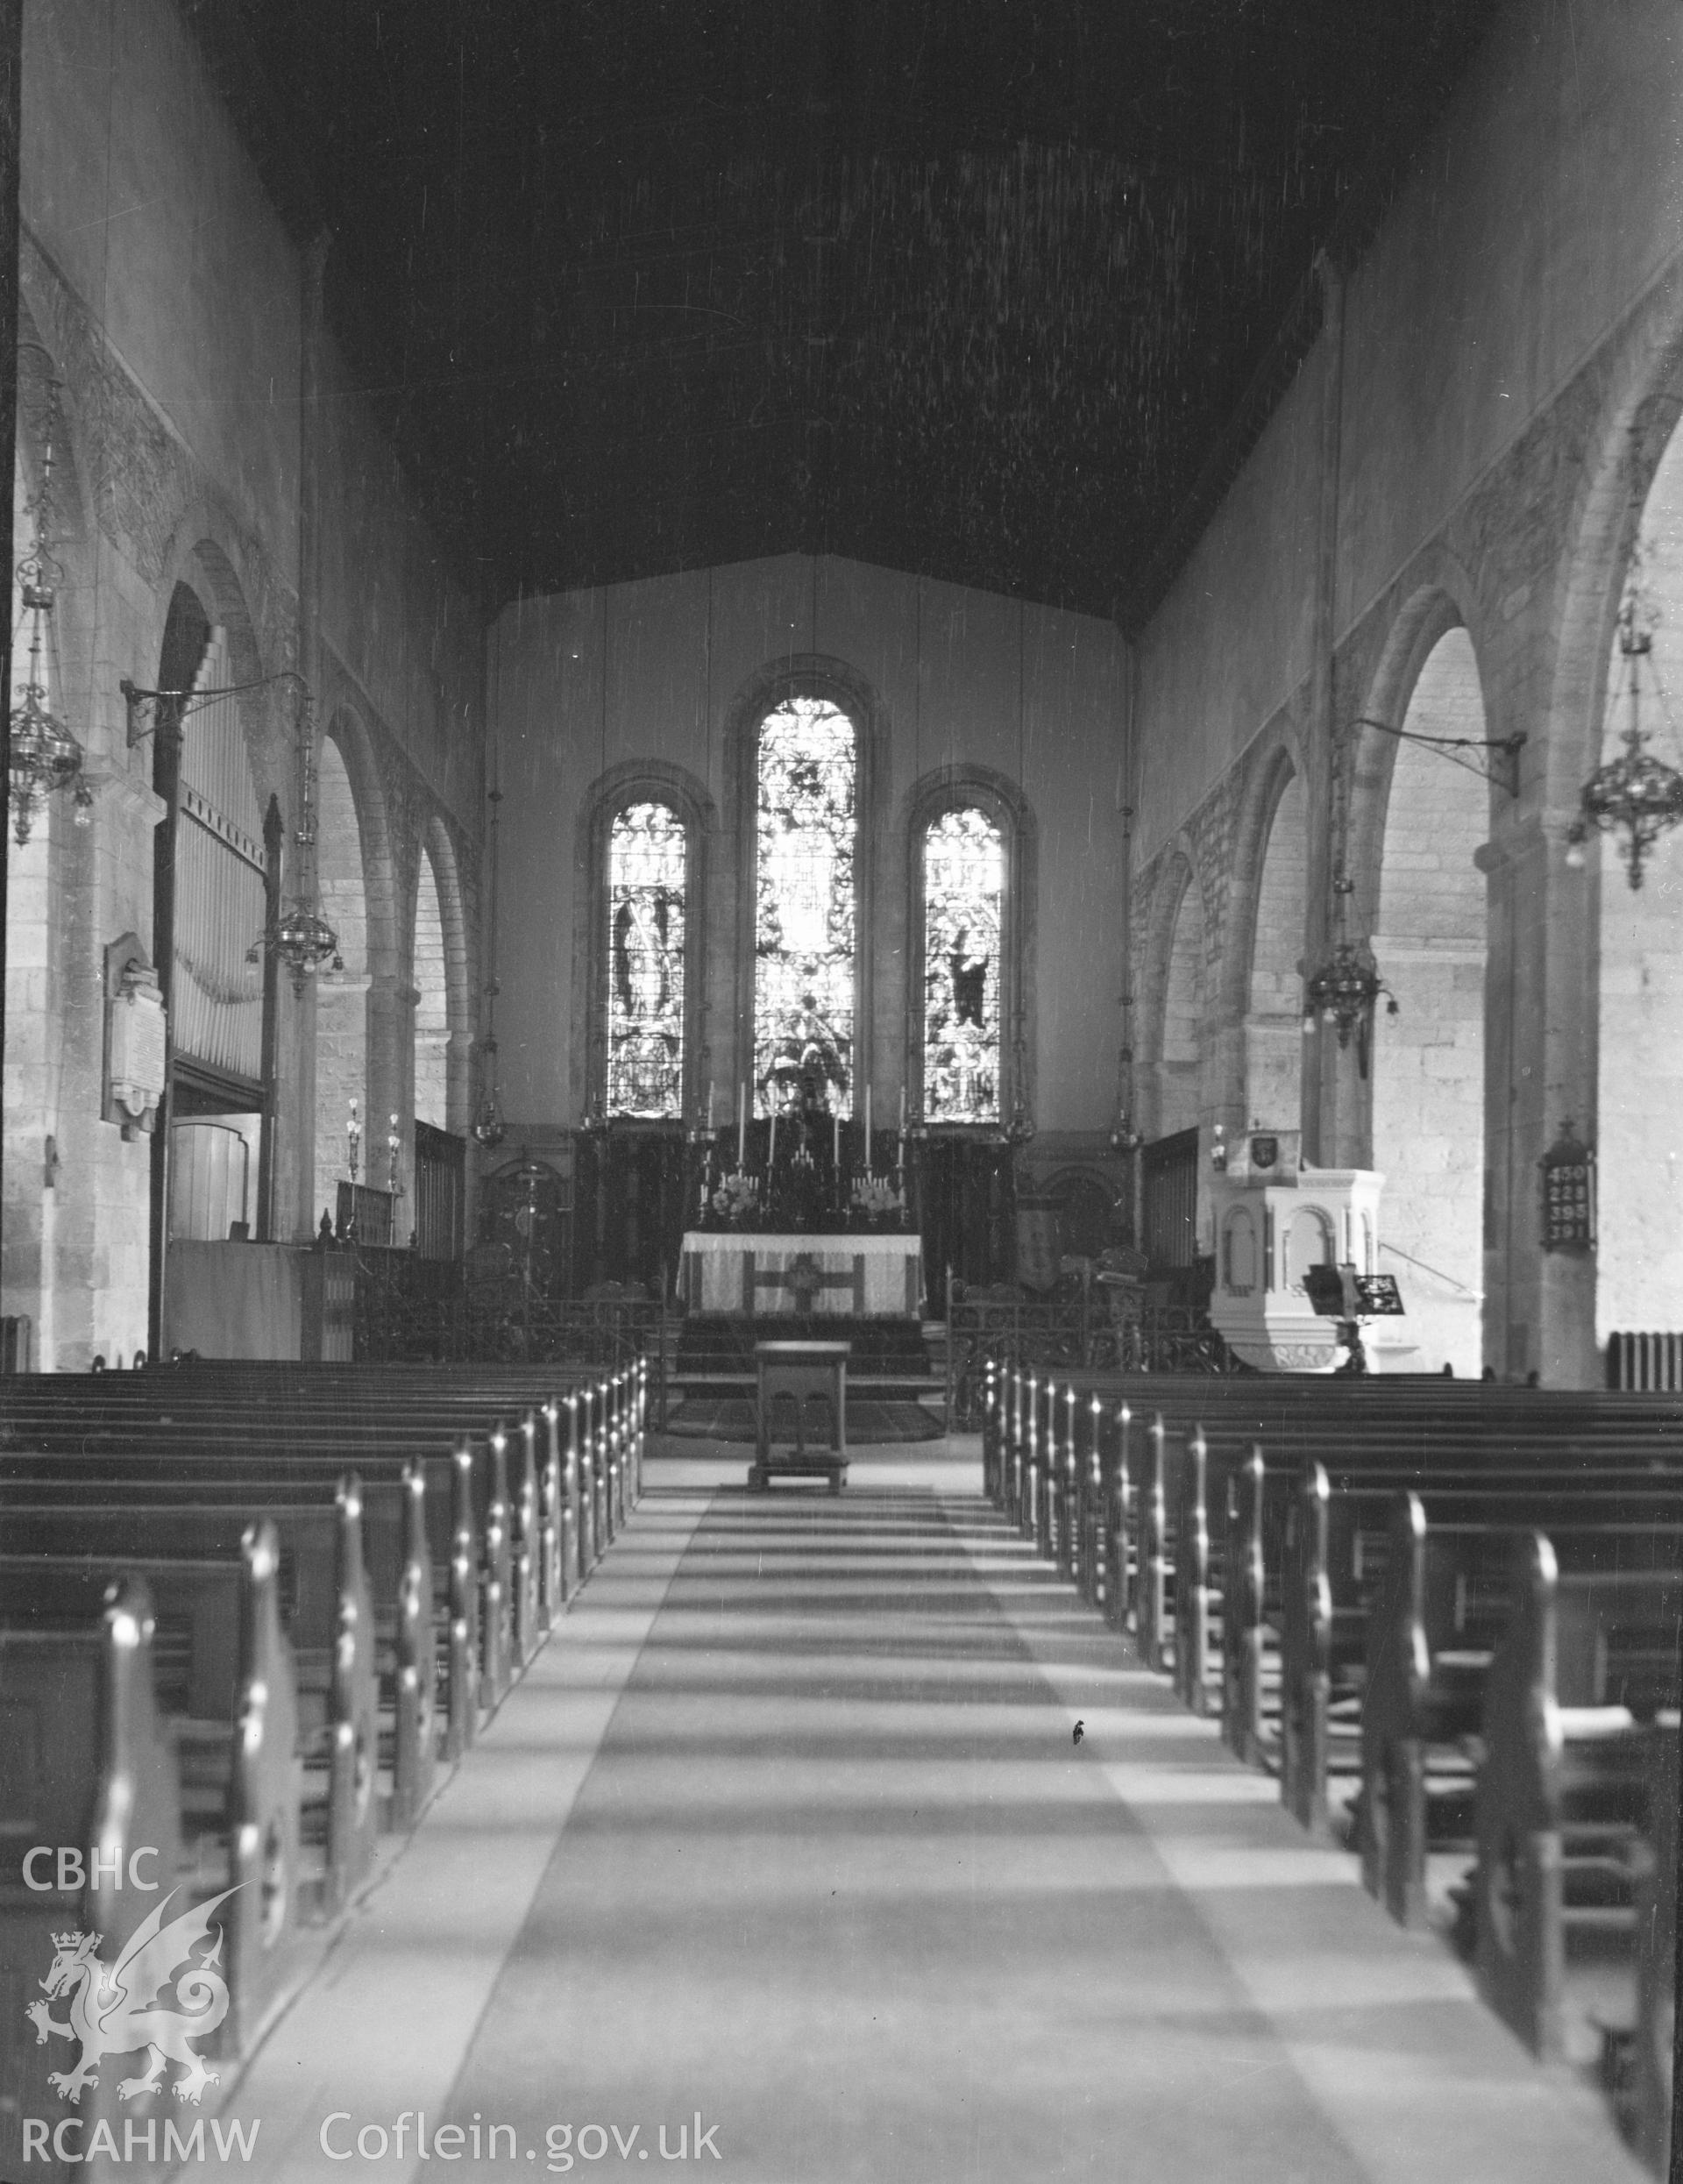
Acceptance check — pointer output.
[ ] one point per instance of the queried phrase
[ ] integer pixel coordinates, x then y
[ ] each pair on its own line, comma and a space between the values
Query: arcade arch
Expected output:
1429, 1058
432, 1002
1274, 1044
1180, 1069
1639, 956
342, 994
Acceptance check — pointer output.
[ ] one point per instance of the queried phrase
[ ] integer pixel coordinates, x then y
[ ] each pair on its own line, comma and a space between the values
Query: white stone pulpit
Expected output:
1275, 1216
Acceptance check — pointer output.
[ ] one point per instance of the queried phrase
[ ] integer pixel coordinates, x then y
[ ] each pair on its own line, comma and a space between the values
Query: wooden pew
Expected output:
407, 1501
328, 1615
1333, 1556
575, 1461
233, 1774
1584, 1667
1608, 1478
473, 1529
1248, 1604
611, 1404
1184, 1623
89, 1766
1656, 2029
1286, 1414
95, 1483
594, 1432
1443, 1598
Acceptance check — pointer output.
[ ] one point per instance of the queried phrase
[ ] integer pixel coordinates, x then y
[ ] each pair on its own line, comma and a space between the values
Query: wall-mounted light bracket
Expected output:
1499, 762
143, 705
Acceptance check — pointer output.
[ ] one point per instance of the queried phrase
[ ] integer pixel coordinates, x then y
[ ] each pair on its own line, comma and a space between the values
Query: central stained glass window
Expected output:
805, 922
963, 896
647, 863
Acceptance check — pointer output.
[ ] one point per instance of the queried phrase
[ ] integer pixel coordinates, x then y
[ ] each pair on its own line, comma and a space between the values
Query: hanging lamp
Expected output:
1636, 793
46, 758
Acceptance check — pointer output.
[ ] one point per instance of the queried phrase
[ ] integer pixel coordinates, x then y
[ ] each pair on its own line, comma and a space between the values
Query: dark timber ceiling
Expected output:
968, 287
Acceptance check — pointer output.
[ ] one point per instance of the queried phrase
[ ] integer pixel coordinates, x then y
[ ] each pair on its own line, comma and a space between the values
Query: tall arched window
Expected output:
971, 853
963, 884
647, 874
806, 913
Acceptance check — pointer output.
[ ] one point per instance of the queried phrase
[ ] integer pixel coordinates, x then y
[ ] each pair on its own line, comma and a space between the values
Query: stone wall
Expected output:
163, 292
658, 673
1500, 368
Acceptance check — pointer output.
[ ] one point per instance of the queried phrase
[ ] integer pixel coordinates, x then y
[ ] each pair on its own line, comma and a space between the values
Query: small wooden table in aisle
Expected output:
801, 1370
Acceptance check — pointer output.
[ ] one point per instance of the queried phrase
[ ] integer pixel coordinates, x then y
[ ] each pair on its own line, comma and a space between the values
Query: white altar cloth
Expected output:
861, 1277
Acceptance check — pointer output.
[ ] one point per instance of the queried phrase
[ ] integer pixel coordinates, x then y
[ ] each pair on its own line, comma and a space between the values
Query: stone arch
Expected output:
1594, 936
349, 732
428, 975
1442, 598
1175, 985
1089, 1208
204, 557
633, 781
1638, 936
440, 851
951, 787
1421, 897
1269, 895
1639, 406
341, 990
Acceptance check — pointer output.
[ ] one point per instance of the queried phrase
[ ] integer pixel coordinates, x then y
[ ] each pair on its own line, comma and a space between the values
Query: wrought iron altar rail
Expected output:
413, 1309
1059, 1331
1040, 1331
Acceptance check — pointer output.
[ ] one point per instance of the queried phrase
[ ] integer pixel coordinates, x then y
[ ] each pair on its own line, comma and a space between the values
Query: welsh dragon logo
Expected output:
113, 2007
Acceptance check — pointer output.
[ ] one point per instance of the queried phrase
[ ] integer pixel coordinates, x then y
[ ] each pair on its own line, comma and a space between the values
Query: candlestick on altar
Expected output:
867, 1127
902, 1114
709, 1103
836, 1147
772, 1144
741, 1123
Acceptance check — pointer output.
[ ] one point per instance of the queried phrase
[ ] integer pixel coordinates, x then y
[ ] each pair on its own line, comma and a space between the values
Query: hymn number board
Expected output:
1568, 1173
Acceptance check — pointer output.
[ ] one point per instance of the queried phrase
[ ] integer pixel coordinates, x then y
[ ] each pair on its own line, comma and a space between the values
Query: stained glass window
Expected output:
646, 870
963, 897
804, 918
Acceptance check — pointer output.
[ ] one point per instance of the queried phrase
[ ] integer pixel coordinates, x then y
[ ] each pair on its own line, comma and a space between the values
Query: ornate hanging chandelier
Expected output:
1343, 992
45, 757
298, 934
1635, 790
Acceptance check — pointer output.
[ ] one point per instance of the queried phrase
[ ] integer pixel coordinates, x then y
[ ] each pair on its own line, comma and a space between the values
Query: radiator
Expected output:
1644, 1361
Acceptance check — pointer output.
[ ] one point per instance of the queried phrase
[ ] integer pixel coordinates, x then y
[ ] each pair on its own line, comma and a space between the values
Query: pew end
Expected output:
1576, 1810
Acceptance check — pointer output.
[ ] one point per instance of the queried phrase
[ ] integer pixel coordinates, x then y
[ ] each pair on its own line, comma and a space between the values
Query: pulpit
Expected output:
1278, 1221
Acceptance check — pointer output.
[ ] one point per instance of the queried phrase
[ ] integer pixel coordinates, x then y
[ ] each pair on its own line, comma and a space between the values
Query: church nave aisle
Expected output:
787, 1828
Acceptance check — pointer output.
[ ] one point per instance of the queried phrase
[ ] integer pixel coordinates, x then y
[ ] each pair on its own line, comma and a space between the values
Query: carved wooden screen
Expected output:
216, 991
1169, 1183
440, 1192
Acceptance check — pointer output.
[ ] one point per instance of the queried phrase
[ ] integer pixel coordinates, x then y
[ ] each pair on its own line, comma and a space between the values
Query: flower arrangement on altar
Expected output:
878, 1196
737, 1197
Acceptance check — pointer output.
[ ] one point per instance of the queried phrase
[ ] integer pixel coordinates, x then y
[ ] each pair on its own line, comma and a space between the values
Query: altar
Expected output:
756, 1272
